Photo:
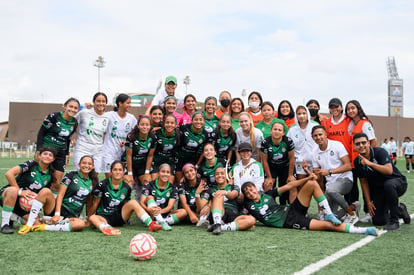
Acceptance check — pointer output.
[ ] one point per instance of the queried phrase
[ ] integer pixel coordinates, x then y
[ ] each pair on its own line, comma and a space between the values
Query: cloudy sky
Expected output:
293, 50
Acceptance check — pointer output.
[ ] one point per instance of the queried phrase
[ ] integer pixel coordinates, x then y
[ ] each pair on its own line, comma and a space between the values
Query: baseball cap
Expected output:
170, 78
334, 102
245, 146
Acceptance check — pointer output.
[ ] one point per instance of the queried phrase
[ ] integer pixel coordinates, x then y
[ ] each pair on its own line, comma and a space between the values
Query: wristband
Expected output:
197, 195
57, 214
129, 173
20, 192
147, 171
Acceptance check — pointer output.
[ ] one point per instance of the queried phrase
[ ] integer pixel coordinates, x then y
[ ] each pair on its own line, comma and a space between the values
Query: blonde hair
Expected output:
251, 128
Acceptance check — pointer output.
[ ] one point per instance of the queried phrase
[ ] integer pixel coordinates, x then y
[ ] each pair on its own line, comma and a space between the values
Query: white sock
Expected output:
232, 226
159, 218
217, 214
5, 217
203, 218
103, 225
146, 219
357, 230
34, 212
65, 227
324, 204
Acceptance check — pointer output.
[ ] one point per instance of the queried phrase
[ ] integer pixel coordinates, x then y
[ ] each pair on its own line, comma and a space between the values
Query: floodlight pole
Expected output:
99, 63
186, 82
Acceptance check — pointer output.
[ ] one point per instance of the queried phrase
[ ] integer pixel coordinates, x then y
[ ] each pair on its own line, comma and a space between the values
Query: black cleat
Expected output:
7, 229
392, 226
217, 229
404, 213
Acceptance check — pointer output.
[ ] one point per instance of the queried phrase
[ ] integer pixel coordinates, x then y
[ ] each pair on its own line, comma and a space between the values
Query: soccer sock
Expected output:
151, 203
172, 219
103, 225
159, 218
6, 214
146, 219
324, 205
65, 227
203, 218
217, 214
34, 212
354, 229
231, 226
407, 166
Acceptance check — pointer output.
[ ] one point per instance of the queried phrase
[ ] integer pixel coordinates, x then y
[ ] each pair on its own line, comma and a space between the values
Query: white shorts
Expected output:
95, 152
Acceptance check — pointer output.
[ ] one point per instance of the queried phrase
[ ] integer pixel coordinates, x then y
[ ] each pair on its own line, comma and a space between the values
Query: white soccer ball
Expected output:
26, 202
143, 246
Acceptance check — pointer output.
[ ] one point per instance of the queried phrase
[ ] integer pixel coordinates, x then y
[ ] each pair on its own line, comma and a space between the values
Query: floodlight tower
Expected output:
186, 82
395, 94
99, 63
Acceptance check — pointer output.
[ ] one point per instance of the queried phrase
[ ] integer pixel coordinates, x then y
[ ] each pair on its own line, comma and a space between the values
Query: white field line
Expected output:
312, 268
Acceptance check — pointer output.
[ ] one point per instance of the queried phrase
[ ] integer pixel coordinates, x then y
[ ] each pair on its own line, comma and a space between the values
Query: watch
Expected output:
330, 172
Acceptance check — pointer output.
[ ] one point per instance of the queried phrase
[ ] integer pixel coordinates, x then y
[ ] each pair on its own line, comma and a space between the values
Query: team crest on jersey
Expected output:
200, 140
319, 157
128, 127
122, 196
332, 153
168, 194
104, 122
283, 149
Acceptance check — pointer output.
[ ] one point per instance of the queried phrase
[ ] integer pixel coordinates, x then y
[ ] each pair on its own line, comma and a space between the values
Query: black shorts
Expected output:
60, 162
408, 156
394, 154
115, 219
230, 215
296, 216
138, 170
156, 167
64, 213
181, 162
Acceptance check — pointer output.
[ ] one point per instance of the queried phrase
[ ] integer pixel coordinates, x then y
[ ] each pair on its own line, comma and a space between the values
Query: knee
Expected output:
77, 225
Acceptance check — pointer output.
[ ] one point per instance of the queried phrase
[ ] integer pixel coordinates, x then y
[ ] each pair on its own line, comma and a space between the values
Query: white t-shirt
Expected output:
252, 172
161, 95
118, 129
331, 159
92, 128
409, 148
393, 146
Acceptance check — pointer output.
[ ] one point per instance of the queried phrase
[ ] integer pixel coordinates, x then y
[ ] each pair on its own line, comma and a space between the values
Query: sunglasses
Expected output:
361, 143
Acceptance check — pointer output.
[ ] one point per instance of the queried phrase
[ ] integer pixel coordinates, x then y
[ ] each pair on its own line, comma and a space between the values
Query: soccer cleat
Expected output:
38, 228
210, 228
404, 213
351, 219
372, 231
366, 219
202, 223
7, 229
165, 226
24, 229
153, 226
216, 229
331, 218
392, 226
110, 231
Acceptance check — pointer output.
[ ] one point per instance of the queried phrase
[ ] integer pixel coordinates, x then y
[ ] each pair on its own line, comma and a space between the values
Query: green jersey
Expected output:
112, 199
222, 143
165, 147
231, 204
207, 172
235, 123
162, 196
32, 178
266, 210
277, 155
185, 189
56, 132
265, 128
211, 124
191, 144
77, 192
140, 149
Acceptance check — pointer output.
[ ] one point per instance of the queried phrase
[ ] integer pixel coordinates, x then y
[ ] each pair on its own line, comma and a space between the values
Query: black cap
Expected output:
335, 102
245, 146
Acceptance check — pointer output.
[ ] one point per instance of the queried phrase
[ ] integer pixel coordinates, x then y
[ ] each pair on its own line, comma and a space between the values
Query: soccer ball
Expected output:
143, 246
26, 202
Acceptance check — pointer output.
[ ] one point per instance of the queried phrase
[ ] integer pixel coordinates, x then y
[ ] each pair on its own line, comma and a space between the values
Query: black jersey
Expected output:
222, 144
161, 195
112, 199
207, 172
232, 204
165, 147
185, 189
191, 144
277, 155
77, 192
140, 149
56, 132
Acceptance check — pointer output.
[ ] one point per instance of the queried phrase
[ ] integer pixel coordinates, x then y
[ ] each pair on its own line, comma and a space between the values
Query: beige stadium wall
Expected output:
25, 119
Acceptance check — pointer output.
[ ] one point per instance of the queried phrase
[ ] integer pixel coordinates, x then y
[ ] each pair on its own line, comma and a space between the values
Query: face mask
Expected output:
225, 102
254, 104
313, 112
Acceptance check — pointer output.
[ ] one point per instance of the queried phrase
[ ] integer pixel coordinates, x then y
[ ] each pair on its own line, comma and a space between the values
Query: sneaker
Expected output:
165, 226
366, 219
203, 223
153, 226
24, 229
7, 229
392, 226
217, 229
404, 213
331, 218
351, 219
210, 228
38, 228
110, 231
372, 231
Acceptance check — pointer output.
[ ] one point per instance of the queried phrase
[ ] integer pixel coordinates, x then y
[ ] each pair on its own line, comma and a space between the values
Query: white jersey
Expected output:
161, 95
386, 147
408, 148
304, 143
393, 146
252, 172
118, 129
331, 159
258, 138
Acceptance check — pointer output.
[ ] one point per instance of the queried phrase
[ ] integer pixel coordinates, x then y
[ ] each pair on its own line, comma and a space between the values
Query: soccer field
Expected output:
190, 250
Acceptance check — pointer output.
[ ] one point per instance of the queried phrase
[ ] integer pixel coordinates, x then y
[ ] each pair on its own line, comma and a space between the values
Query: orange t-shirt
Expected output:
340, 133
357, 129
256, 118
